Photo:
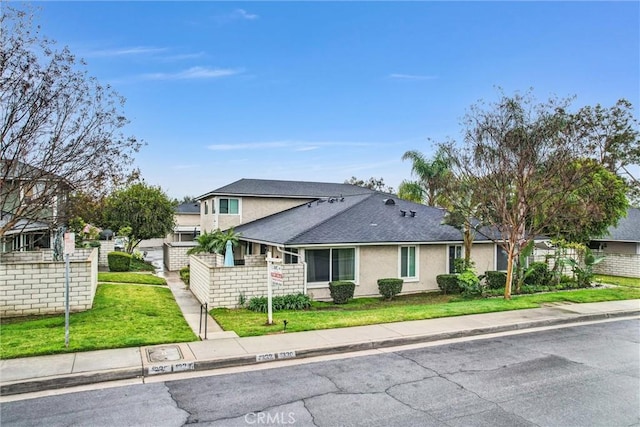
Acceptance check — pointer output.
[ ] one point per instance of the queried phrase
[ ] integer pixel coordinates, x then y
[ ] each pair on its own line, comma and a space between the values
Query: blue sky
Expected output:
322, 91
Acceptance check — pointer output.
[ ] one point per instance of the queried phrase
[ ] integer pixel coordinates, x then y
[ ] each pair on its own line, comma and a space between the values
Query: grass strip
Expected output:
371, 311
126, 277
122, 316
633, 282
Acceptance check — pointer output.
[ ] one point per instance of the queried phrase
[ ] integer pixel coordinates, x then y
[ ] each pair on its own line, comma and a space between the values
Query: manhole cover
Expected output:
163, 354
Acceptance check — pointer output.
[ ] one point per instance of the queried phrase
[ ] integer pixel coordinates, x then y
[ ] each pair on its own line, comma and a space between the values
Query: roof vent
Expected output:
403, 213
412, 213
389, 202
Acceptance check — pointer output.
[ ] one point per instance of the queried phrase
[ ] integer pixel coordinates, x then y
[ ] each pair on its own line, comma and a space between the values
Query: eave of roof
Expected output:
286, 189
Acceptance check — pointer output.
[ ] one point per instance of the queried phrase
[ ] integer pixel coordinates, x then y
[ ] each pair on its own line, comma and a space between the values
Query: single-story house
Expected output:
623, 238
325, 232
363, 238
621, 247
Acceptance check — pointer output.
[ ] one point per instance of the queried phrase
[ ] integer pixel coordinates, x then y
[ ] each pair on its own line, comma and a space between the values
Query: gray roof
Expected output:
358, 219
628, 229
288, 189
188, 208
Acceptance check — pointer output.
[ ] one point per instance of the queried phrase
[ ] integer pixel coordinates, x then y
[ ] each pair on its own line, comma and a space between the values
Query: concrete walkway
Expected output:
220, 350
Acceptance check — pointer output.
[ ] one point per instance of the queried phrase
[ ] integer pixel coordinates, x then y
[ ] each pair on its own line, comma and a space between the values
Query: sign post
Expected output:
69, 247
274, 277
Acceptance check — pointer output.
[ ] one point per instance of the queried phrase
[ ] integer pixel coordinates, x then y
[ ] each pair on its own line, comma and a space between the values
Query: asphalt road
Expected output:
580, 376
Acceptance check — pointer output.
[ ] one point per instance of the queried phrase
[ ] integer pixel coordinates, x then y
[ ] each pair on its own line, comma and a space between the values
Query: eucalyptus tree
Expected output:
524, 159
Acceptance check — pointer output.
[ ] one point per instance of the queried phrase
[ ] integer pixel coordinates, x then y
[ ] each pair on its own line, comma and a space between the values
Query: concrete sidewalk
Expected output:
66, 370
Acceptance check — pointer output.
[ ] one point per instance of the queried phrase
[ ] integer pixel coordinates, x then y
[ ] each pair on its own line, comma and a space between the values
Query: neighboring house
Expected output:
622, 239
186, 227
621, 247
187, 222
36, 199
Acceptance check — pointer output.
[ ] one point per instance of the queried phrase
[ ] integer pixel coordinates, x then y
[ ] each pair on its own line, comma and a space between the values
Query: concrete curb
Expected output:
71, 380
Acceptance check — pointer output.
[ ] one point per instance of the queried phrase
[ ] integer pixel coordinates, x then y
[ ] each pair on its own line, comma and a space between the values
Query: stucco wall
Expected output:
250, 209
484, 257
38, 287
258, 207
620, 248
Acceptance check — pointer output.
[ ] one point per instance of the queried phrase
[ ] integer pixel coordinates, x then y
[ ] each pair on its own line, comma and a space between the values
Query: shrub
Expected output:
341, 291
185, 275
448, 283
495, 279
537, 274
119, 261
390, 287
469, 283
279, 303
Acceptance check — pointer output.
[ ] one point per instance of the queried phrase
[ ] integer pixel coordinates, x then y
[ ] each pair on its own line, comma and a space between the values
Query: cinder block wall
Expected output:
627, 265
231, 282
38, 287
175, 255
106, 246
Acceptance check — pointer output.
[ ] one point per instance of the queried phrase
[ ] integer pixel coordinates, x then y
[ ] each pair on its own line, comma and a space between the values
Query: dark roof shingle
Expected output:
357, 219
292, 189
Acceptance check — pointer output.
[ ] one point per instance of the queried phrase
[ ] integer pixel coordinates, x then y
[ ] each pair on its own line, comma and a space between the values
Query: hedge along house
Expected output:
347, 233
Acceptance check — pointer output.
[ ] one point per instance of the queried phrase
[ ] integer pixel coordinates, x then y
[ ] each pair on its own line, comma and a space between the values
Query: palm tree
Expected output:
214, 241
432, 174
206, 243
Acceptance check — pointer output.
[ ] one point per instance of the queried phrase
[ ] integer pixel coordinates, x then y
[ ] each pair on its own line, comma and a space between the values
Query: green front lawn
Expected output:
140, 278
617, 280
370, 311
122, 316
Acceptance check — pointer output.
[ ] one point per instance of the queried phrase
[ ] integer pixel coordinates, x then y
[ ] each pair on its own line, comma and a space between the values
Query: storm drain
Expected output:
164, 354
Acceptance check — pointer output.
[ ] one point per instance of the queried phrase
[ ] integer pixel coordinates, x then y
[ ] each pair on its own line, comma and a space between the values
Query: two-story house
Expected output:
32, 205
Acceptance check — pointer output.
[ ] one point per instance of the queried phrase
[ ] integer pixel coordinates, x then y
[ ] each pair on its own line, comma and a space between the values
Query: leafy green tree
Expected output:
432, 175
611, 137
412, 191
597, 202
372, 184
146, 209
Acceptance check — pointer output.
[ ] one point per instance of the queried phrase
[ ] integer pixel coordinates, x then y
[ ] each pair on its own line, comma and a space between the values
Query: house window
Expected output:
291, 259
324, 265
206, 208
229, 206
455, 252
501, 259
408, 267
248, 248
263, 249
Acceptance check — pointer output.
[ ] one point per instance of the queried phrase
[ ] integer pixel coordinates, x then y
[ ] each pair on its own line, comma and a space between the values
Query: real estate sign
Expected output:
277, 276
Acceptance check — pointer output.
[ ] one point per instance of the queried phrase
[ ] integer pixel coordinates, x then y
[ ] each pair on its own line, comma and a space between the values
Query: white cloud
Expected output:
411, 77
295, 145
241, 13
247, 146
194, 73
127, 51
